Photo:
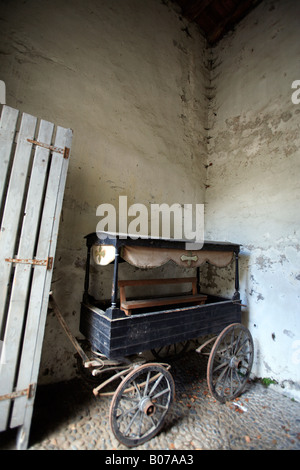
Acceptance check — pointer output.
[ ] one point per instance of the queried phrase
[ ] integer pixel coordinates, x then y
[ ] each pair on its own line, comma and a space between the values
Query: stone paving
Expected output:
69, 417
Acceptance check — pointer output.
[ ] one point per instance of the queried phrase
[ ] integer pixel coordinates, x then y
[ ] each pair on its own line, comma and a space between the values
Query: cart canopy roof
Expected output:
146, 252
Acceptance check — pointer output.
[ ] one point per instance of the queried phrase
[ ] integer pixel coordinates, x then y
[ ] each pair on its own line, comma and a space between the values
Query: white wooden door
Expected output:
32, 181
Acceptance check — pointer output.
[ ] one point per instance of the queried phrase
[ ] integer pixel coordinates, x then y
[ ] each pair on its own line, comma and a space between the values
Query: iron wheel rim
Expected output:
140, 404
230, 362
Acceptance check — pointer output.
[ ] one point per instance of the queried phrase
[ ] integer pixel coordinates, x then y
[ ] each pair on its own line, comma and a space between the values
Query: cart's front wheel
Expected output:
230, 362
140, 404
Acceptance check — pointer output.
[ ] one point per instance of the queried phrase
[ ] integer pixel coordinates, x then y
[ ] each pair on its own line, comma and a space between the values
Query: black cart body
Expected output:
117, 335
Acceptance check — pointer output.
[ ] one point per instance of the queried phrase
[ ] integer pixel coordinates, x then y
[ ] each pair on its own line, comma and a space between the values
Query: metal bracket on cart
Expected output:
200, 349
99, 364
121, 374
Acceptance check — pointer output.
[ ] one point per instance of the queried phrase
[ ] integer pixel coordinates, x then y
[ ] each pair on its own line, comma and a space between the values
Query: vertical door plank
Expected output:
13, 205
24, 290
41, 284
8, 124
22, 273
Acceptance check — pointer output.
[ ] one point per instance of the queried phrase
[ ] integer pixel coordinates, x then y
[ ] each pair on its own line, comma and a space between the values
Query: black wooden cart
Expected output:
120, 328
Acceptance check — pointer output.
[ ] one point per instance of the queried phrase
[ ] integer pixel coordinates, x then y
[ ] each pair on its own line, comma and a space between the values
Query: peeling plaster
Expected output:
254, 187
290, 334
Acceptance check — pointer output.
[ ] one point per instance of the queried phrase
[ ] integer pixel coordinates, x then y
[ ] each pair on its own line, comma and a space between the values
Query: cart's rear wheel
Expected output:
140, 404
230, 362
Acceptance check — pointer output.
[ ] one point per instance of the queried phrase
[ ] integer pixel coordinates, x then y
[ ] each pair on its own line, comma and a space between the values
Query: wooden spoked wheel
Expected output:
140, 404
230, 362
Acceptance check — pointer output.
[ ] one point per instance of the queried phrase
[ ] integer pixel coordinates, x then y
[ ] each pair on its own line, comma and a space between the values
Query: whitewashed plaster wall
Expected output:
132, 83
128, 77
253, 194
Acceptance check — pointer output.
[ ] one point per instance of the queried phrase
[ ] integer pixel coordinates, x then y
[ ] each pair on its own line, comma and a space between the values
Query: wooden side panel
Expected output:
118, 338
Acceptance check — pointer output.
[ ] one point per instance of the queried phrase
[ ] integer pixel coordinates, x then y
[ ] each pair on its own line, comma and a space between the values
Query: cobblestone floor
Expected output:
69, 417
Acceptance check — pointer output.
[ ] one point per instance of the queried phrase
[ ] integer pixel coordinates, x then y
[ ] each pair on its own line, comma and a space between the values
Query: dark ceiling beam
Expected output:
215, 18
228, 22
193, 9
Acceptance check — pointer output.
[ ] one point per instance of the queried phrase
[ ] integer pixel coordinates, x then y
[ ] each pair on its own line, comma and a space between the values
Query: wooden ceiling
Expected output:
215, 18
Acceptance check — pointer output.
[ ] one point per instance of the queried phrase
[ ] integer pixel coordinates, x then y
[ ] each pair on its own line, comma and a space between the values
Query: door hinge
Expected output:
29, 392
35, 262
64, 151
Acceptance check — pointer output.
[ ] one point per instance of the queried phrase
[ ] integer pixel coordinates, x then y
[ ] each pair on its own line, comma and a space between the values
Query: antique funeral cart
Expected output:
120, 328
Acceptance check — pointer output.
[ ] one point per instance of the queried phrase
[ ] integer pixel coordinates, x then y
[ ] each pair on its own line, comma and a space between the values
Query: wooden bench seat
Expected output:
128, 305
